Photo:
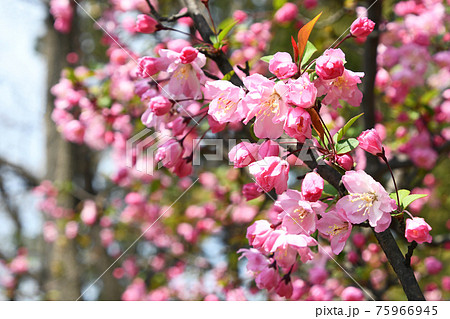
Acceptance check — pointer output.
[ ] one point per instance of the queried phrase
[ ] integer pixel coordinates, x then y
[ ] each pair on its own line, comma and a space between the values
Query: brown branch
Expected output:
22, 172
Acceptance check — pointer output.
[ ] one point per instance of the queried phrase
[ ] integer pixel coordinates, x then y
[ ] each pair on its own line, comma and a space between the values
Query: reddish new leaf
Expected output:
294, 45
316, 123
303, 35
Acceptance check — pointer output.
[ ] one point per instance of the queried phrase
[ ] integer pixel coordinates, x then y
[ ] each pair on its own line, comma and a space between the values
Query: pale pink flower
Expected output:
424, 157
282, 66
337, 227
367, 200
243, 154
266, 100
268, 278
418, 230
258, 233
89, 212
352, 294
271, 172
330, 65
312, 187
286, 13
160, 105
146, 24
362, 27
298, 124
240, 16
226, 104
370, 141
268, 148
344, 87
256, 260
149, 66
301, 92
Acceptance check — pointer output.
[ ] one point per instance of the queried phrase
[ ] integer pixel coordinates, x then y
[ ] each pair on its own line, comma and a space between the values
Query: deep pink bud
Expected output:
146, 24
362, 27
433, 265
346, 161
330, 65
147, 66
312, 187
251, 191
418, 230
370, 141
188, 55
359, 240
160, 105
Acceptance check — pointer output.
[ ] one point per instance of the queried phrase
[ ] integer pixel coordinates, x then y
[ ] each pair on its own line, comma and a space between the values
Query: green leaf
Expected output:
402, 193
309, 51
267, 58
228, 76
411, 198
338, 136
345, 146
277, 4
225, 31
329, 190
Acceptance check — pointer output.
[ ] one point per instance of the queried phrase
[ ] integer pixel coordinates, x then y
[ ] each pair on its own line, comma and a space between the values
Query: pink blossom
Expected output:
271, 172
344, 87
424, 157
169, 153
243, 213
301, 92
418, 230
318, 275
312, 187
251, 191
243, 154
367, 200
362, 27
215, 126
160, 105
433, 265
446, 283
352, 294
258, 233
71, 230
256, 260
268, 148
370, 141
226, 104
74, 131
268, 278
240, 16
345, 161
149, 66
266, 100
89, 212
330, 65
282, 66
298, 124
19, 264
286, 13
146, 24
336, 225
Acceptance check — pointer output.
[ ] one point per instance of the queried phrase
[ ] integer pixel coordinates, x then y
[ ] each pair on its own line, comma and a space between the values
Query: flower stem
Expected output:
383, 157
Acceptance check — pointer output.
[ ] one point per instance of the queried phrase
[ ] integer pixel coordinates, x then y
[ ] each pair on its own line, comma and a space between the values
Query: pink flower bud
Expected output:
433, 265
362, 27
284, 289
251, 191
418, 230
188, 55
352, 294
346, 161
312, 187
169, 153
243, 154
160, 105
286, 13
146, 24
318, 275
147, 67
370, 141
298, 124
359, 240
282, 66
330, 65
268, 148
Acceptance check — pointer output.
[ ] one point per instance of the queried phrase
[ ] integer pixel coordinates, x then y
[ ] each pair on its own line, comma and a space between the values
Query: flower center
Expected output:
270, 105
335, 229
366, 200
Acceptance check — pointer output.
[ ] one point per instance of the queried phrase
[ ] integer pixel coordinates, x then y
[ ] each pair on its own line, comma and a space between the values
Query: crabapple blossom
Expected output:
433, 265
256, 260
271, 172
362, 27
301, 92
370, 141
312, 187
345, 161
286, 13
160, 105
251, 191
243, 154
352, 294
268, 148
298, 124
146, 24
330, 64
336, 225
282, 66
367, 200
258, 233
418, 230
226, 104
